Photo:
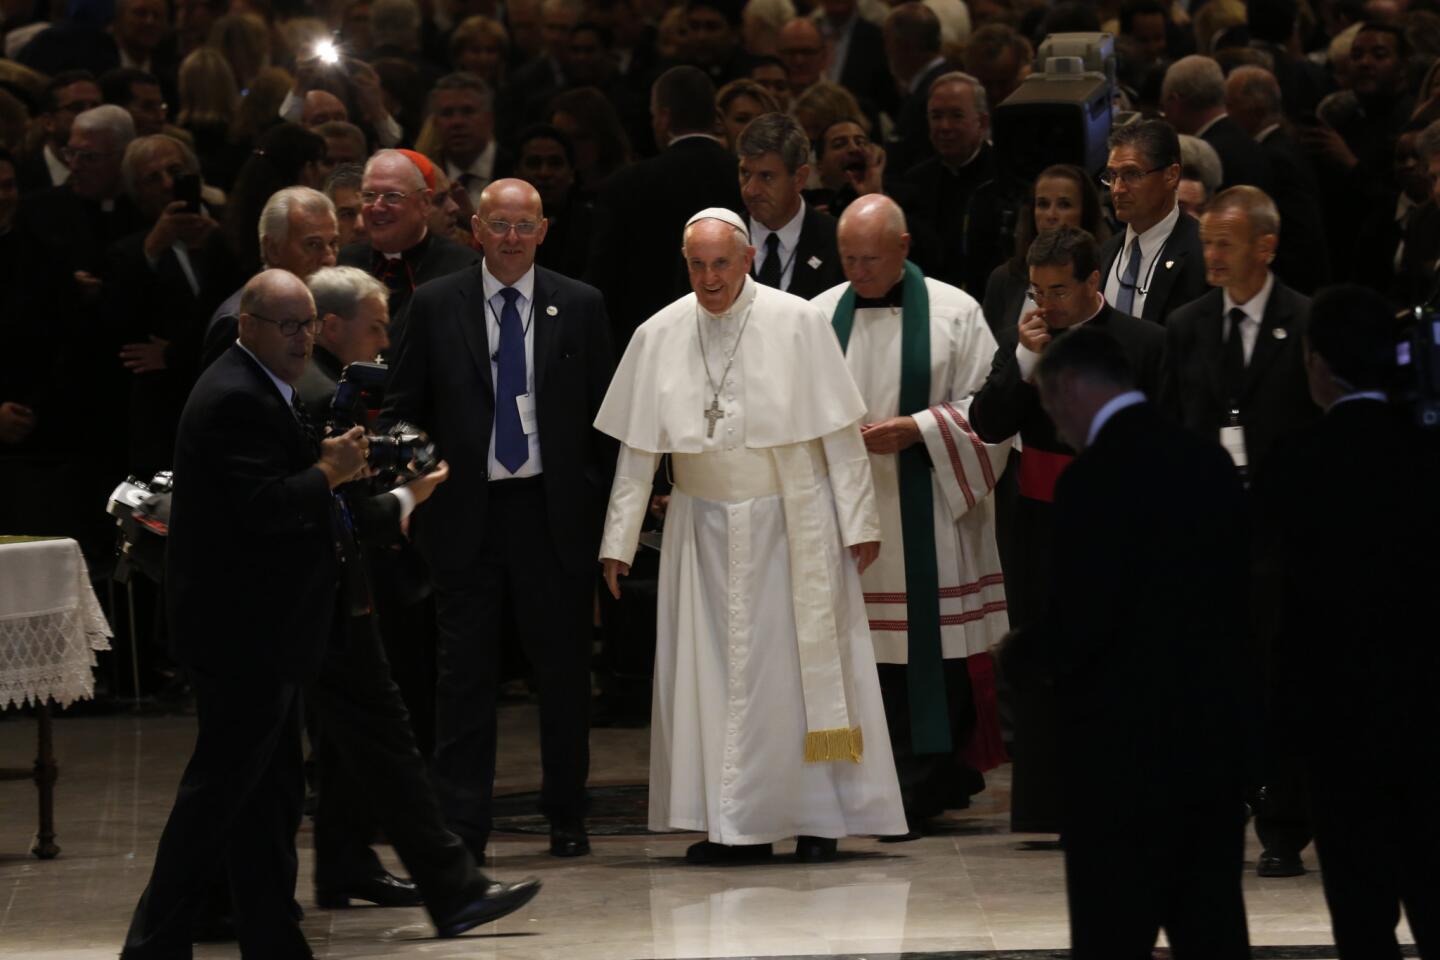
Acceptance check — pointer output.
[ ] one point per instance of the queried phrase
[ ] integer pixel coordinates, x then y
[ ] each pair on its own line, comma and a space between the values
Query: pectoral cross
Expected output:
713, 414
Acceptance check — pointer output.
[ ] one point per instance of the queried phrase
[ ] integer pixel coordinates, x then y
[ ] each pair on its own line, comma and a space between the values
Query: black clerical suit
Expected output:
866, 73
946, 193
1178, 274
531, 542
640, 216
252, 577
1145, 639
1348, 508
431, 258
1005, 406
815, 265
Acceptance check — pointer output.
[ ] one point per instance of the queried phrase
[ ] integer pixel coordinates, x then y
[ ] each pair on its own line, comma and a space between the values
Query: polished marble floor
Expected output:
975, 891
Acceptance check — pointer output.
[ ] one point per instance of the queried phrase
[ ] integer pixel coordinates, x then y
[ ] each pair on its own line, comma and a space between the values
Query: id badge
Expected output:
1232, 438
526, 404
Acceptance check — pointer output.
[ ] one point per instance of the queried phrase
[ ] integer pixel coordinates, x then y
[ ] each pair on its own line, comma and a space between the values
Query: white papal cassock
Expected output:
762, 644
972, 590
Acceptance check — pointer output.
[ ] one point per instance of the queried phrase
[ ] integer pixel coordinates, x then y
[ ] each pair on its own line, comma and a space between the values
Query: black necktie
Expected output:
1232, 364
307, 426
770, 270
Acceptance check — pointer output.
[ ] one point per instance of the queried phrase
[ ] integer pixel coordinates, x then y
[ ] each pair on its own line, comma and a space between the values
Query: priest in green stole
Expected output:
918, 350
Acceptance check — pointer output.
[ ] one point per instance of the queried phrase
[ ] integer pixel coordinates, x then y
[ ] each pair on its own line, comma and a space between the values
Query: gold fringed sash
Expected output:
830, 733
838, 744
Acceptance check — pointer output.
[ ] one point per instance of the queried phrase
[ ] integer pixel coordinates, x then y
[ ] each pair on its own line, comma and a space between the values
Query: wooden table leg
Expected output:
46, 771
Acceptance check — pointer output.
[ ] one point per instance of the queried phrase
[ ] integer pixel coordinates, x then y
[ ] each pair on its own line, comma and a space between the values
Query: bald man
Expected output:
919, 349
505, 364
250, 623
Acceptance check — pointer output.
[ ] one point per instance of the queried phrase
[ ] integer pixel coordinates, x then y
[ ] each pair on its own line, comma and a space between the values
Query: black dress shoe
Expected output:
914, 833
383, 889
1274, 864
484, 903
569, 841
816, 849
707, 852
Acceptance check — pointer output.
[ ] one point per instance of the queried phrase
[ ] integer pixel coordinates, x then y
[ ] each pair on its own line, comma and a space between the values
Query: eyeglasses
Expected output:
391, 197
1129, 176
1052, 296
288, 328
525, 228
72, 156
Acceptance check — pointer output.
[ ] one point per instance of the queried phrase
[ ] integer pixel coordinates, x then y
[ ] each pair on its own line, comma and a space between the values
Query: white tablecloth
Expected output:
50, 624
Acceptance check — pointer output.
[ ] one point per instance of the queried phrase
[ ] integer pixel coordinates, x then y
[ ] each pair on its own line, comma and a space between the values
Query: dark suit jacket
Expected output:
1149, 658
33, 173
1303, 258
1171, 287
1242, 160
251, 569
430, 259
390, 560
1353, 540
944, 203
1006, 405
140, 302
911, 142
441, 381
866, 73
817, 241
640, 215
1276, 400
1004, 298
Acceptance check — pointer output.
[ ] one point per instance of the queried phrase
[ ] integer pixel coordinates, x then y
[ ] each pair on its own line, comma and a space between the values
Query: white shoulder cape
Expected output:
797, 385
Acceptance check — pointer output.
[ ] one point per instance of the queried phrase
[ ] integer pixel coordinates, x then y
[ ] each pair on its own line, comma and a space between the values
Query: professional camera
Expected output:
1418, 355
402, 451
141, 510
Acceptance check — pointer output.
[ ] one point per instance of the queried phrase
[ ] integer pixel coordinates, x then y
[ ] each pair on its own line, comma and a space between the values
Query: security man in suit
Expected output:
1143, 655
1156, 265
505, 366
795, 245
1236, 374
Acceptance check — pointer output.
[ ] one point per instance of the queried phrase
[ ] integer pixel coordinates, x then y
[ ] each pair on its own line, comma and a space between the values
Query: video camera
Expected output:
404, 450
141, 509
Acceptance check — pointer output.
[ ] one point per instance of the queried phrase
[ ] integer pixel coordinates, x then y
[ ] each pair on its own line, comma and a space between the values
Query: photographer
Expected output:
354, 82
254, 570
370, 768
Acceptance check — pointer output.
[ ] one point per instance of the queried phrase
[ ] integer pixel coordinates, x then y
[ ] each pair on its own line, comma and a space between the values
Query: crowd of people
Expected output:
757, 273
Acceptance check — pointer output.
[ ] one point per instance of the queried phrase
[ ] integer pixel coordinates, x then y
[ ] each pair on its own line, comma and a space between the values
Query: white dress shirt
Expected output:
1115, 404
789, 240
59, 171
1152, 241
1254, 316
525, 304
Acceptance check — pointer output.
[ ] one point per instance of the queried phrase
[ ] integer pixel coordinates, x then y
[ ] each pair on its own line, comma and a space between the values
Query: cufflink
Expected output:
551, 310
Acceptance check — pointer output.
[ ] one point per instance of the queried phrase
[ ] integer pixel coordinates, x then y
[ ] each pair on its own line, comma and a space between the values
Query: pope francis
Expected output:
767, 719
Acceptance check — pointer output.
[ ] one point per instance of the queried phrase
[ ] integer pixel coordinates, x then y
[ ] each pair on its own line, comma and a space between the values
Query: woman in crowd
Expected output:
739, 102
1063, 196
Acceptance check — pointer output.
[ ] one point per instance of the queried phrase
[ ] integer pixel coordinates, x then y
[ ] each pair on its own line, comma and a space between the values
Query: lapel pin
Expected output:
1169, 264
814, 263
1279, 333
551, 310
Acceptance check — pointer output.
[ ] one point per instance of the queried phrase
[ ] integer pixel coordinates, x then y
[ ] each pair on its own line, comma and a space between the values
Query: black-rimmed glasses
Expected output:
288, 328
